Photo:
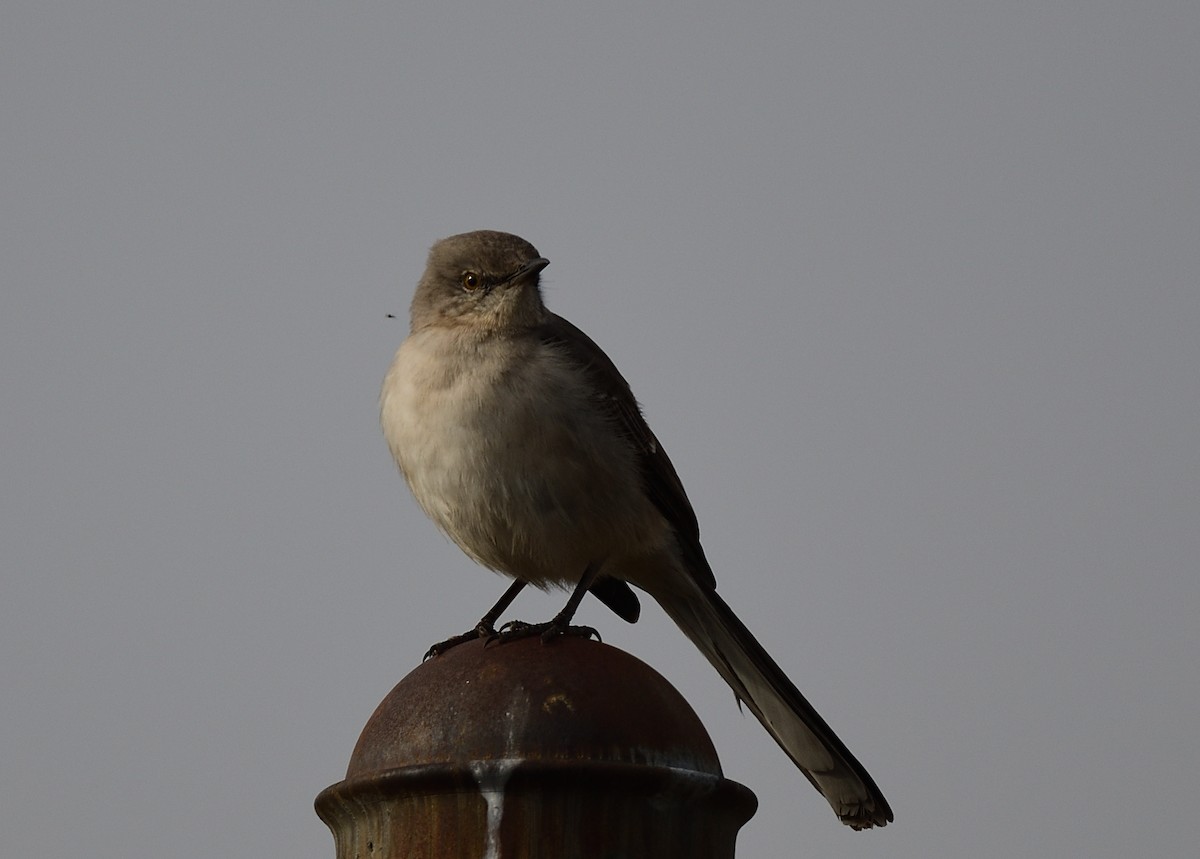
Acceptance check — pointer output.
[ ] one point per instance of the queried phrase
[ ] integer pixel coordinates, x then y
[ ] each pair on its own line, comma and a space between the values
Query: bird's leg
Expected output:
486, 628
561, 623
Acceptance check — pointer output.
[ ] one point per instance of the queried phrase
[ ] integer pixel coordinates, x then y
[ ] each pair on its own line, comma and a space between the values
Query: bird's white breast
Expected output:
500, 444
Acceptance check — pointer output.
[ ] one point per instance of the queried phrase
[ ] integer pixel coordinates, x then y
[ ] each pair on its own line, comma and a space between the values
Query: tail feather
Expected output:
777, 703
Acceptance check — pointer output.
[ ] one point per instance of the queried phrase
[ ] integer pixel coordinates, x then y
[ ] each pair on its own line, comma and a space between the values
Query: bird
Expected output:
524, 444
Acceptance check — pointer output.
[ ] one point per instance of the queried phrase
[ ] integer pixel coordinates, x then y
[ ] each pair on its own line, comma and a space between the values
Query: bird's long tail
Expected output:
774, 699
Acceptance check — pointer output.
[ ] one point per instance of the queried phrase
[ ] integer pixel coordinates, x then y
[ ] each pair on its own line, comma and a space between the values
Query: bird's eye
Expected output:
471, 281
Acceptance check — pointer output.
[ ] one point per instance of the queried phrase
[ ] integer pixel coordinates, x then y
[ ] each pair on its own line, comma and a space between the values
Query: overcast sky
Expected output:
908, 290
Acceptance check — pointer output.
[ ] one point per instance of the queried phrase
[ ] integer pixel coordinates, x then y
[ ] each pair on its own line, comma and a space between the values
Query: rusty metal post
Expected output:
570, 750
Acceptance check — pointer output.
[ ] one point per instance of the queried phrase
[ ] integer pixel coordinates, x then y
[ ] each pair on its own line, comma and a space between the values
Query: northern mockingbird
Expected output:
521, 440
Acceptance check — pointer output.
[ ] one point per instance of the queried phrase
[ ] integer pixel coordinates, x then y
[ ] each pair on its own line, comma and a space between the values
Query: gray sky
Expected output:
908, 291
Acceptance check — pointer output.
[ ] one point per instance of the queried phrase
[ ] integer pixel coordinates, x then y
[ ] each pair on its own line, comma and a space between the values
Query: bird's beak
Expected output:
528, 270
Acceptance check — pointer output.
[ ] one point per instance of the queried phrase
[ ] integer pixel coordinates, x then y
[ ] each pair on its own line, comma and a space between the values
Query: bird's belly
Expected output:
516, 466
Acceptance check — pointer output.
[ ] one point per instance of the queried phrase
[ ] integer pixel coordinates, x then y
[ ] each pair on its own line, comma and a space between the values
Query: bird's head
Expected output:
485, 279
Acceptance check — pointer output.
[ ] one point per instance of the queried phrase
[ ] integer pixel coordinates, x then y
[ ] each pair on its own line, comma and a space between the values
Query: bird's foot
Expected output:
516, 629
482, 630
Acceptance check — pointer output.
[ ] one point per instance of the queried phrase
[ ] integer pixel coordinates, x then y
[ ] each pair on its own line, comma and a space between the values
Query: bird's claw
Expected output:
481, 630
517, 629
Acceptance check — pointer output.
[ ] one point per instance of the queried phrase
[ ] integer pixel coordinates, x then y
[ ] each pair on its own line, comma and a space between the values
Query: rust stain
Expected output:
558, 701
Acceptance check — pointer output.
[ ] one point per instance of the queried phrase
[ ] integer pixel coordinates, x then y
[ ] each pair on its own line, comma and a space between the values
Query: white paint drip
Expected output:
491, 777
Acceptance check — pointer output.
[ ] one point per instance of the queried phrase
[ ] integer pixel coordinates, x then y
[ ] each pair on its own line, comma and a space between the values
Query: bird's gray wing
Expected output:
615, 398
